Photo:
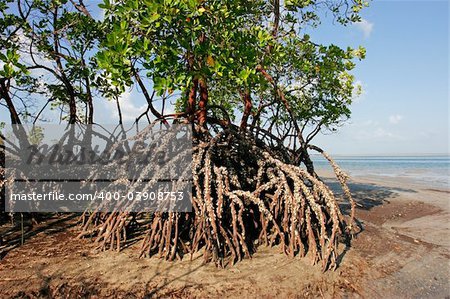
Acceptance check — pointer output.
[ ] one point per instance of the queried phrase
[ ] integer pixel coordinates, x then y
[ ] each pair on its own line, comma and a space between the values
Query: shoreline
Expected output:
394, 182
402, 251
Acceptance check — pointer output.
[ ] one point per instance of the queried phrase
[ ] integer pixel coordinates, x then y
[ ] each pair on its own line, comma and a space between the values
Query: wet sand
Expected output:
403, 251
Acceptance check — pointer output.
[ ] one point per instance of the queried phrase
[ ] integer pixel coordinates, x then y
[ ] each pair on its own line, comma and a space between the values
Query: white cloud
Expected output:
382, 133
128, 108
365, 26
369, 123
376, 133
395, 119
369, 129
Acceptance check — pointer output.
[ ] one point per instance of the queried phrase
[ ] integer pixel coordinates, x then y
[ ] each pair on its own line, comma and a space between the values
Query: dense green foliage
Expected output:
255, 64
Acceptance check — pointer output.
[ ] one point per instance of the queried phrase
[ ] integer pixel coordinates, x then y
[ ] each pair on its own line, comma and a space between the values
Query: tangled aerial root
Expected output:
243, 196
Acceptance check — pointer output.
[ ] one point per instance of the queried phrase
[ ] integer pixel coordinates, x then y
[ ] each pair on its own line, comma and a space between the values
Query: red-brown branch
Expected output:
247, 109
203, 101
283, 100
192, 97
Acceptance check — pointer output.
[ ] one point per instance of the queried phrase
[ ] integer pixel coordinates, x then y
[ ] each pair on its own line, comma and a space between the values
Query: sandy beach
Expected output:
201, 149
402, 251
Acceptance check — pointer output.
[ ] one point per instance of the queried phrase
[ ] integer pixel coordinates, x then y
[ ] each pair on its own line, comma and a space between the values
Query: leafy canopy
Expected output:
175, 41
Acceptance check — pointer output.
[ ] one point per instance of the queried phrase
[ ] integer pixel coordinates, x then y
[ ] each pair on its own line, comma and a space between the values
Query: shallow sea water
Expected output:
431, 171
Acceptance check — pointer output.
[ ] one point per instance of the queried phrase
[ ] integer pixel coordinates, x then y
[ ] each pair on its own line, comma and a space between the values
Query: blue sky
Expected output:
405, 105
404, 108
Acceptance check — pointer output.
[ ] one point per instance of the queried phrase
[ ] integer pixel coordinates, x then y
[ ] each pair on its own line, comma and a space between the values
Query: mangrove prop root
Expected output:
243, 196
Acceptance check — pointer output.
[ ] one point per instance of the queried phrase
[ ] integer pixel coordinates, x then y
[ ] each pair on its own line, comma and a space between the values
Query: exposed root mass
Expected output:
244, 195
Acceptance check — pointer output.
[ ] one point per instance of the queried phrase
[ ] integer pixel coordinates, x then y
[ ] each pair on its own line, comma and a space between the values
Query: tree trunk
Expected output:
306, 159
15, 120
247, 110
90, 119
147, 96
203, 101
190, 109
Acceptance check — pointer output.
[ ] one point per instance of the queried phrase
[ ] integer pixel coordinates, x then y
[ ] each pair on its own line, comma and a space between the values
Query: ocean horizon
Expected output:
430, 170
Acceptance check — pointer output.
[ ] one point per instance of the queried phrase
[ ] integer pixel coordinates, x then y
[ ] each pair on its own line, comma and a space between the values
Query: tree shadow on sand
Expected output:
51, 224
366, 195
